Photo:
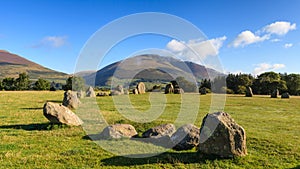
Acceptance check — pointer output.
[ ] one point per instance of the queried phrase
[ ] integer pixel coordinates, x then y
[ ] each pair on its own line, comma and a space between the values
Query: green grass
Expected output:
27, 140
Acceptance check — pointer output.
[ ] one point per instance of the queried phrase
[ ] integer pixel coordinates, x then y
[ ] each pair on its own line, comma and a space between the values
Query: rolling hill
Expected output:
150, 68
11, 65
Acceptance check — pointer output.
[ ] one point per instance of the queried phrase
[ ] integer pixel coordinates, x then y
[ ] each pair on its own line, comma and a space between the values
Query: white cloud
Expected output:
246, 38
202, 48
288, 45
279, 28
176, 46
264, 67
52, 41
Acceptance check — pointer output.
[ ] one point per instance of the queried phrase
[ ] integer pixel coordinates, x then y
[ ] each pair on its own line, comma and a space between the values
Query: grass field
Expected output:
28, 141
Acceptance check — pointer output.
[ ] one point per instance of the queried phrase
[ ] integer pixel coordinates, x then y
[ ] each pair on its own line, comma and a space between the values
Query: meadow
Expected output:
27, 140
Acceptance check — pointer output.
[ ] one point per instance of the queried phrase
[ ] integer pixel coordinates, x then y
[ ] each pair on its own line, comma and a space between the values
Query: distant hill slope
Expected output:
11, 65
150, 68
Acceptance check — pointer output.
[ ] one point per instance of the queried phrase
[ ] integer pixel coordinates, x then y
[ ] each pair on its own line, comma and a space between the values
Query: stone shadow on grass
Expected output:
34, 126
164, 158
32, 108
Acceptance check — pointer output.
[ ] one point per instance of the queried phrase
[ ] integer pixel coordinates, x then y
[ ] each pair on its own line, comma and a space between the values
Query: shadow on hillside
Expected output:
32, 127
164, 158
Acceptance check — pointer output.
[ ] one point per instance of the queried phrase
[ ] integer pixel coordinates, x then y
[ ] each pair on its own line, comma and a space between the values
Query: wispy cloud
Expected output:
206, 48
275, 40
277, 28
288, 45
265, 67
52, 42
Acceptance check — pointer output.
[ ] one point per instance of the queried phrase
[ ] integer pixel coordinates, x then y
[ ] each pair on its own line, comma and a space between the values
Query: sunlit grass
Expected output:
27, 141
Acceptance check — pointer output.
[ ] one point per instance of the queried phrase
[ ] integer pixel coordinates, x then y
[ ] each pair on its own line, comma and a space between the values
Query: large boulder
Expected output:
159, 131
249, 92
57, 113
275, 93
90, 92
71, 100
285, 95
186, 137
221, 136
169, 89
141, 88
118, 131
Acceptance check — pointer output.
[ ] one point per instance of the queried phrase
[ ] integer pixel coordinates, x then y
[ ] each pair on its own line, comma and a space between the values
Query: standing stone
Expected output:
249, 92
80, 94
90, 92
178, 91
141, 88
135, 91
57, 113
159, 131
118, 131
186, 137
175, 84
220, 135
71, 100
275, 93
169, 89
202, 91
285, 95
120, 89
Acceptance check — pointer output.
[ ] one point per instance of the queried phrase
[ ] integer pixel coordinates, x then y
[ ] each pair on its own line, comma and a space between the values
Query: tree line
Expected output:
263, 84
23, 82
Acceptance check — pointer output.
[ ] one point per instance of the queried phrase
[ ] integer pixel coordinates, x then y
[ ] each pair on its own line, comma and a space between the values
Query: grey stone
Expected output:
71, 100
141, 88
249, 92
285, 95
275, 93
117, 131
221, 136
90, 92
57, 113
186, 137
159, 131
169, 89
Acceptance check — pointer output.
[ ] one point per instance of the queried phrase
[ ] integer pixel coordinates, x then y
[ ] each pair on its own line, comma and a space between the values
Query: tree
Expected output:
75, 83
186, 85
292, 83
267, 82
205, 83
8, 83
238, 83
1, 86
22, 82
42, 84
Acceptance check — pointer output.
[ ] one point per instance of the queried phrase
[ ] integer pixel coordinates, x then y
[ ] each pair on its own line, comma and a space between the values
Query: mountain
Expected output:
150, 68
11, 65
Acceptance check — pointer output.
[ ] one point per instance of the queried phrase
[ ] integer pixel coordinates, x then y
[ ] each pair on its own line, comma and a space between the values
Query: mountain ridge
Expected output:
11, 65
150, 68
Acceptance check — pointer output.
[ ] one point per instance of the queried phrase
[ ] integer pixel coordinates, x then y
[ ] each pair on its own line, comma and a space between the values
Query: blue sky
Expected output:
248, 36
